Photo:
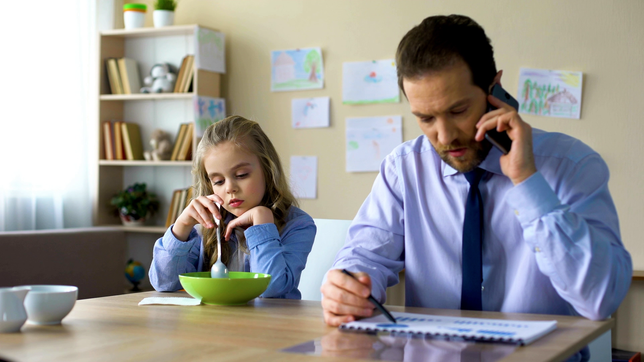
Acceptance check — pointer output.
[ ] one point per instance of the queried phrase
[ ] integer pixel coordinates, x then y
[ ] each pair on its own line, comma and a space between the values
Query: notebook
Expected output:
474, 329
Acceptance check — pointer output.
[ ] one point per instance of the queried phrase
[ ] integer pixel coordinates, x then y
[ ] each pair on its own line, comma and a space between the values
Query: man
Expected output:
550, 232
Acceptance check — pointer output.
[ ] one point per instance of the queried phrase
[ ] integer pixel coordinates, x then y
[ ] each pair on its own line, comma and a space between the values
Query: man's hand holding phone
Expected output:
518, 164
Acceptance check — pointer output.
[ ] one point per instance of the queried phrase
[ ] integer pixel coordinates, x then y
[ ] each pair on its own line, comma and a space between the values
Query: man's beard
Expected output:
481, 150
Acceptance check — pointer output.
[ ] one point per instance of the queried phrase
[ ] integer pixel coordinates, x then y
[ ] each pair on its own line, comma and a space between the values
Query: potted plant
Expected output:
163, 14
135, 204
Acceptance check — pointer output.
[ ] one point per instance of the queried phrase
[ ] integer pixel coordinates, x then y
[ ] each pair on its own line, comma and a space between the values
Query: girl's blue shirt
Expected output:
282, 255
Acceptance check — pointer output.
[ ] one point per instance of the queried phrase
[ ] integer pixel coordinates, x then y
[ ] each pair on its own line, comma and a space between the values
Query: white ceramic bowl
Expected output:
49, 304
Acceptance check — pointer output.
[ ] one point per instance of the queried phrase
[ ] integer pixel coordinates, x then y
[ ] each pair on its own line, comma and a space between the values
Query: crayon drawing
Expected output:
297, 69
370, 82
210, 50
208, 110
369, 140
552, 93
310, 112
304, 170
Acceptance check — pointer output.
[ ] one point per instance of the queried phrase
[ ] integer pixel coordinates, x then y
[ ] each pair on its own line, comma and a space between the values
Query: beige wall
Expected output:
603, 39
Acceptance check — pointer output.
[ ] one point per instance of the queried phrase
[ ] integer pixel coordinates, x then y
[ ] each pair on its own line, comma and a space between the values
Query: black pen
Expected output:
374, 301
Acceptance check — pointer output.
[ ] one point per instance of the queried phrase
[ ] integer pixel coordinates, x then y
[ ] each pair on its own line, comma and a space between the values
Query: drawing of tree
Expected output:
311, 64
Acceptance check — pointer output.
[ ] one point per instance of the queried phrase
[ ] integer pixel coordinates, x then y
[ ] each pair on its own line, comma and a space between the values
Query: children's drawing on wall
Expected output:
369, 140
297, 69
208, 110
553, 93
210, 50
310, 112
304, 176
370, 82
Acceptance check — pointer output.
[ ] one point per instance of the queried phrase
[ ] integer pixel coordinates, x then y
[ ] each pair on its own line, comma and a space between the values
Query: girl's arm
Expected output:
281, 256
172, 257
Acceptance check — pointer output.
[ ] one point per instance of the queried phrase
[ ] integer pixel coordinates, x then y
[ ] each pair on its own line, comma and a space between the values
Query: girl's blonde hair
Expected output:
248, 135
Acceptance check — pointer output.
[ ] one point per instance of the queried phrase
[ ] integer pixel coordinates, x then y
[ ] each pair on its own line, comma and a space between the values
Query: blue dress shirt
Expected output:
551, 244
282, 255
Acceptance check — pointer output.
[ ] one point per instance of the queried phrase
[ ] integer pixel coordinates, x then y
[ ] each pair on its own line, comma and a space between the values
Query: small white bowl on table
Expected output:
49, 304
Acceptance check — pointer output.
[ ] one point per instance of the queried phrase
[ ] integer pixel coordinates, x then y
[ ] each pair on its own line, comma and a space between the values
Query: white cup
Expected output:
133, 19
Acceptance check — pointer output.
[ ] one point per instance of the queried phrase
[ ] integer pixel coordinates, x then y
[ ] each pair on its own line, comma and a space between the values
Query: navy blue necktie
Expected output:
472, 243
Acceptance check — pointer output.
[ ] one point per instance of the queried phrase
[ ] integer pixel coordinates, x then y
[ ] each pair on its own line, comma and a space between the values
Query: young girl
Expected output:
237, 167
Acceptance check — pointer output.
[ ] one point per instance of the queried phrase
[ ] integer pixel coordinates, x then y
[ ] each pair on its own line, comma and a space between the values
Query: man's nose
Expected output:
447, 132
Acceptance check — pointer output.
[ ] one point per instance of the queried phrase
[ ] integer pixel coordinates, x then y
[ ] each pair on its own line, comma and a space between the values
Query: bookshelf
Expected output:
166, 111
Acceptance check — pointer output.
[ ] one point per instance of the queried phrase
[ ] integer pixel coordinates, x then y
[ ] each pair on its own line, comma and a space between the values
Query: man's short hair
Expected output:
441, 41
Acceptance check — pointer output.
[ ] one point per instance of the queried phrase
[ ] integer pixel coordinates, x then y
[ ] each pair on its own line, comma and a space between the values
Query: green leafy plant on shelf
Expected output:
135, 203
165, 5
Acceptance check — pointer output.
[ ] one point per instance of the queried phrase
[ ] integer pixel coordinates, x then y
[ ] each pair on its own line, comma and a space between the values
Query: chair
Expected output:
329, 238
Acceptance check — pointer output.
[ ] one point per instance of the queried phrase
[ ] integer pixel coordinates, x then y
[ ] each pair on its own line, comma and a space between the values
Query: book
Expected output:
471, 329
113, 76
188, 75
186, 143
188, 197
170, 219
182, 202
130, 78
119, 150
108, 140
177, 141
182, 71
132, 141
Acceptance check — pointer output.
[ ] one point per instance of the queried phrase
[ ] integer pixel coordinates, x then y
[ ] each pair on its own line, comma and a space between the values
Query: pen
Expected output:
374, 301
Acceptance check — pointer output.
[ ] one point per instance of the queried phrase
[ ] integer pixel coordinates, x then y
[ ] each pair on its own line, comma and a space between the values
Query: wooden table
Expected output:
117, 329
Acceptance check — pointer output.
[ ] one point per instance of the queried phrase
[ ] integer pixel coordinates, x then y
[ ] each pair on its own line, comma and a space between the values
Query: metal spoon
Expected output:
219, 269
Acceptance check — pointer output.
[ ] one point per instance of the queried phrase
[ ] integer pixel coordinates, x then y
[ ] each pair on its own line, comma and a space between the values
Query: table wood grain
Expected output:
116, 329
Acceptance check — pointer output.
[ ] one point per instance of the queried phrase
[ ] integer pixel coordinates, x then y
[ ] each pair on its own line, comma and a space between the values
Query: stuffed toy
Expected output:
160, 80
161, 143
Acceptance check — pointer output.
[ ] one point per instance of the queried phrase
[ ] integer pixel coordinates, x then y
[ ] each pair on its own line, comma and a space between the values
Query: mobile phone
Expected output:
500, 139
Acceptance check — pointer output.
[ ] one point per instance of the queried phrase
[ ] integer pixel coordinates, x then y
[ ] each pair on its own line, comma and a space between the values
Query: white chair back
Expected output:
329, 238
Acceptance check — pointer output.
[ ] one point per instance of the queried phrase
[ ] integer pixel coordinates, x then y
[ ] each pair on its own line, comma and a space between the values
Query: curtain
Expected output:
48, 113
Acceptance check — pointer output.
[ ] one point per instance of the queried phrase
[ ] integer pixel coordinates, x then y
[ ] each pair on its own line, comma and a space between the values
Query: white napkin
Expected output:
169, 301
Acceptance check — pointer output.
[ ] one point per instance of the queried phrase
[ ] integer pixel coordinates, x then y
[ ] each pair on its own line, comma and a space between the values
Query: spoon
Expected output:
219, 269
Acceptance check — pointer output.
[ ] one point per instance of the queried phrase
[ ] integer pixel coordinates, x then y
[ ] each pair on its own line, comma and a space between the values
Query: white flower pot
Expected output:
133, 19
163, 18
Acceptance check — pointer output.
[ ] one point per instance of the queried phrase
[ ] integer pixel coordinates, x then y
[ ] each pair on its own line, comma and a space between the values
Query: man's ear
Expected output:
497, 80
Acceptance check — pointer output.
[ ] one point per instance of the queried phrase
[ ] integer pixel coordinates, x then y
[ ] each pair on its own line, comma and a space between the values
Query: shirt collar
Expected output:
490, 164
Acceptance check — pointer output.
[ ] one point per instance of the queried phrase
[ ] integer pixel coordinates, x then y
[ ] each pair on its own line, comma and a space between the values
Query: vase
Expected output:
134, 15
163, 18
127, 220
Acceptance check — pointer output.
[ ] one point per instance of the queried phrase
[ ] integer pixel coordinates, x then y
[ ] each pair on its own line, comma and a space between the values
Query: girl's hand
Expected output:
255, 216
200, 211
519, 163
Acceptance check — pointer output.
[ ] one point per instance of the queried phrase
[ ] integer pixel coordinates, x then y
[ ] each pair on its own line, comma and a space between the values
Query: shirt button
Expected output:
536, 249
516, 212
482, 288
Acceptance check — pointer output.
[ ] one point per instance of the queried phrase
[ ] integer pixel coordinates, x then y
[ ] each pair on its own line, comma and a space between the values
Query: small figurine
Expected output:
161, 143
160, 80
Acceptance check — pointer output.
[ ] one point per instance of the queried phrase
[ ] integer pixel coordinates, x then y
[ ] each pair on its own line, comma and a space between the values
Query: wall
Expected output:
603, 39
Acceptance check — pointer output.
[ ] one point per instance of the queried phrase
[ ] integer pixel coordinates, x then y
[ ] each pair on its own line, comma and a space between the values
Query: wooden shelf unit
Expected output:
148, 46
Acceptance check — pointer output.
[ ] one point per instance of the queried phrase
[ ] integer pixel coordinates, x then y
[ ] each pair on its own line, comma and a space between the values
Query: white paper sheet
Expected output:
297, 69
370, 82
170, 301
210, 49
310, 112
208, 110
369, 140
480, 329
551, 93
304, 176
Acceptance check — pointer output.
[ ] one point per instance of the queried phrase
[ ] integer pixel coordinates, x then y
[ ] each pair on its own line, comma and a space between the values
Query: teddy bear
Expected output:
160, 80
161, 143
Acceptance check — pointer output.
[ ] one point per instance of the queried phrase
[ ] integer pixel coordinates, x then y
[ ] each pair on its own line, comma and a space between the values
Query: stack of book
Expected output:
186, 75
122, 141
180, 200
123, 75
182, 150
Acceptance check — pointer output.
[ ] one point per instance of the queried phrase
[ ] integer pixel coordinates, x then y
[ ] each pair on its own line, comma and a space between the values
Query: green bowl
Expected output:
238, 289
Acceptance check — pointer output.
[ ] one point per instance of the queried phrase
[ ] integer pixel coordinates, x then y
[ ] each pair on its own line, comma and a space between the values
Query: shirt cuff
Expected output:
532, 198
260, 234
175, 246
